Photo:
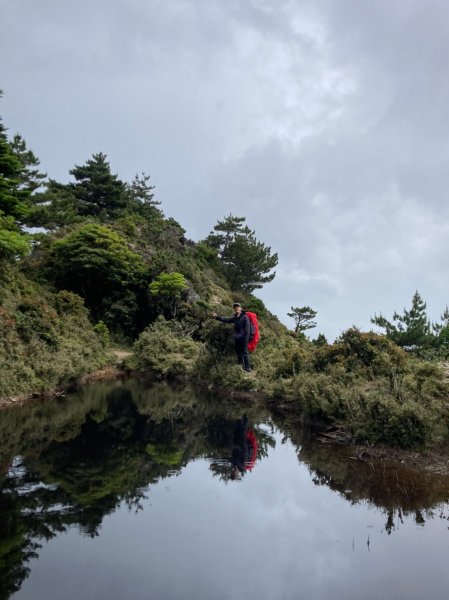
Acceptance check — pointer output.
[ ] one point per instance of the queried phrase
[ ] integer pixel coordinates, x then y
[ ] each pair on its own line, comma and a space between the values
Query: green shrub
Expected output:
101, 329
369, 353
45, 339
164, 349
381, 419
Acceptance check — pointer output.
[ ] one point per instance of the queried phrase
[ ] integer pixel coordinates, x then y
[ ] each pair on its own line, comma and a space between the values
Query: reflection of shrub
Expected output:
164, 454
164, 349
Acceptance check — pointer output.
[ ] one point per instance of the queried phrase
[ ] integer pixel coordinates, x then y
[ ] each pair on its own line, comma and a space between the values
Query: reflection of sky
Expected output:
272, 535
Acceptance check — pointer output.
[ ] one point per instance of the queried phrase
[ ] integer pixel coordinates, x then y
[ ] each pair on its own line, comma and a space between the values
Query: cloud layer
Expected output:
323, 122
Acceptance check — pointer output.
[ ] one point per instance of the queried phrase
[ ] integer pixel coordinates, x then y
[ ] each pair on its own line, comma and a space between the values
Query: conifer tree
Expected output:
141, 197
97, 191
13, 207
411, 330
303, 317
30, 178
246, 262
12, 200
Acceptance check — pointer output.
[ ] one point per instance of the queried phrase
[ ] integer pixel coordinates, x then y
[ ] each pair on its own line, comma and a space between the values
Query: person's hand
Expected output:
213, 315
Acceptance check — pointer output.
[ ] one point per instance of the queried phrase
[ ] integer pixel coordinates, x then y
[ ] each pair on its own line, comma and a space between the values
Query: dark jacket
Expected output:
241, 325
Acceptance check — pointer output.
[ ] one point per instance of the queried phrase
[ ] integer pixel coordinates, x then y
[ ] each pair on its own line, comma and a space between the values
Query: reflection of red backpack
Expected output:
253, 331
251, 440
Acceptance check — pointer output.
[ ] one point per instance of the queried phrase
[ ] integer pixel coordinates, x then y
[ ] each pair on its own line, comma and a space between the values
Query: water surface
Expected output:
125, 490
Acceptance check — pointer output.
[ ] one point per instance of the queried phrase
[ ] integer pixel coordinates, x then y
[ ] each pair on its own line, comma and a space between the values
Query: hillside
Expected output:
95, 262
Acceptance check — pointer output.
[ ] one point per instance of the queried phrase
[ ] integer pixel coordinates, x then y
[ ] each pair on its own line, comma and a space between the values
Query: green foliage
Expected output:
169, 287
165, 454
206, 254
141, 198
320, 340
13, 201
246, 262
441, 336
101, 329
68, 302
97, 191
96, 262
30, 178
222, 372
370, 353
165, 350
53, 208
123, 275
411, 330
371, 413
379, 419
13, 243
253, 304
45, 340
303, 318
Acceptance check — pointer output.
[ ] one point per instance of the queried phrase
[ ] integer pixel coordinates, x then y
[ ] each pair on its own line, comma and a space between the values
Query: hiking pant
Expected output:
241, 349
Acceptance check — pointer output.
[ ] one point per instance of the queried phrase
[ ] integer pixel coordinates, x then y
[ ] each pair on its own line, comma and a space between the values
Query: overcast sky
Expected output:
323, 122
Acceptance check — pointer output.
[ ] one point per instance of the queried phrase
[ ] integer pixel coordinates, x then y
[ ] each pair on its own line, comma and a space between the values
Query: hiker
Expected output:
242, 328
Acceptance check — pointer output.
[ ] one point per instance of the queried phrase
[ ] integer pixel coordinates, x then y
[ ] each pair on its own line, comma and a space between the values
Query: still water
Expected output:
125, 490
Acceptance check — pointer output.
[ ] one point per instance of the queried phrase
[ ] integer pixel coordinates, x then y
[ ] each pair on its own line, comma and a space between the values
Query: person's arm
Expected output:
223, 319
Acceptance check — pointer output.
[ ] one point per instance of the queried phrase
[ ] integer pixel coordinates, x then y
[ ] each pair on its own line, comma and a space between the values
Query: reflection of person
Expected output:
242, 327
244, 448
243, 453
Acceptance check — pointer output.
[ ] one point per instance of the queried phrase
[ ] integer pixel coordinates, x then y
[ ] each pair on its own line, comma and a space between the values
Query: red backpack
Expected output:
253, 331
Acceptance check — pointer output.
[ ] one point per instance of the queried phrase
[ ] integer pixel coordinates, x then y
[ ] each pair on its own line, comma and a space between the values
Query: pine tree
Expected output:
303, 318
246, 262
97, 191
30, 178
55, 207
411, 330
442, 334
12, 200
13, 205
141, 197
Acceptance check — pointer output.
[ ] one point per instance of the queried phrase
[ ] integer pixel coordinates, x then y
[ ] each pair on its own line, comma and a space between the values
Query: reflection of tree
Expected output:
396, 489
88, 453
84, 455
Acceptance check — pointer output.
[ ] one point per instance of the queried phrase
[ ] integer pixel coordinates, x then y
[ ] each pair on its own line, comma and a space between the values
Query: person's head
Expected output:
237, 308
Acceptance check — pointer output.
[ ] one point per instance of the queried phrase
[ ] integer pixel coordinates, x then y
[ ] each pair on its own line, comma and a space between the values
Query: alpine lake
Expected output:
132, 490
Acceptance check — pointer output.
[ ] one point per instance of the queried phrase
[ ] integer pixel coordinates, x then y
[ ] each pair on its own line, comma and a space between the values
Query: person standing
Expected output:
242, 329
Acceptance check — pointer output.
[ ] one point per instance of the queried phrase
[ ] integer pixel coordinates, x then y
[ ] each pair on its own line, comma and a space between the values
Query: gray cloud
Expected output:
325, 123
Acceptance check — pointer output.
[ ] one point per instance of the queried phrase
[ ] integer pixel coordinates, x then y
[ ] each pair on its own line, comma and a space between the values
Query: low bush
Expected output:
46, 340
165, 349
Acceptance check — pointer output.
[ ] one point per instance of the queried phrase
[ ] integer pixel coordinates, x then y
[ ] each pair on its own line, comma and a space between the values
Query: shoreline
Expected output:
432, 460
